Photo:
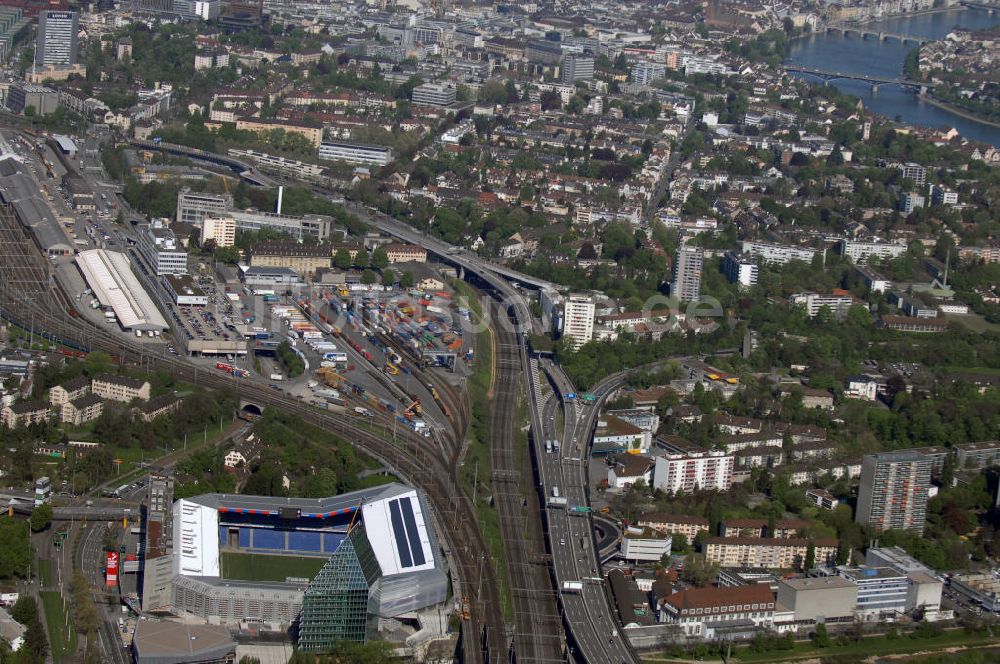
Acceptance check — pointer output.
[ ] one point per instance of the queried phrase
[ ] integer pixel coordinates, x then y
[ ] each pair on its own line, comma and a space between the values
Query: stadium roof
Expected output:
162, 642
393, 515
310, 507
114, 285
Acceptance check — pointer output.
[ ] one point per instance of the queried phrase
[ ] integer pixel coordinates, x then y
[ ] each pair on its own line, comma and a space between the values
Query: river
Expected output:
878, 58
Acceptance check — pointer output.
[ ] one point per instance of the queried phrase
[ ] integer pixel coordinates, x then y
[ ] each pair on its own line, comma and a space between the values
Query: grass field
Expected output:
62, 636
45, 572
952, 640
878, 645
253, 567
974, 322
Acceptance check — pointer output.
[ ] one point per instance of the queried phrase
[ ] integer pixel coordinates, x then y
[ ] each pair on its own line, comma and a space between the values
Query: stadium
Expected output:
337, 567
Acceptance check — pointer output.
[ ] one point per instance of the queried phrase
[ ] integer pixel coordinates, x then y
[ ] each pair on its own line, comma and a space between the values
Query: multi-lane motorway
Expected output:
595, 634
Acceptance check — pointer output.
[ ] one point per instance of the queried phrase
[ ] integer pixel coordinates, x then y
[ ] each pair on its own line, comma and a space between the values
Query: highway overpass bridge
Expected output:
245, 170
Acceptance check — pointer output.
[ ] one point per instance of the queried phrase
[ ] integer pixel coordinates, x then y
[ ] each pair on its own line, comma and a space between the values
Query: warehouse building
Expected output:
110, 277
31, 210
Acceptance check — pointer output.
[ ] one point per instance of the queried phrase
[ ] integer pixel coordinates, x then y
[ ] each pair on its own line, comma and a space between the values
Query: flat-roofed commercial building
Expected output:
108, 274
158, 642
194, 206
355, 153
162, 250
23, 95
315, 226
818, 598
435, 94
184, 291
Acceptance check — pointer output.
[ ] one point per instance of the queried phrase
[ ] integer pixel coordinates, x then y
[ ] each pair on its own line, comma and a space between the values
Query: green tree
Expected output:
380, 257
361, 259
388, 278
406, 279
342, 259
810, 561
699, 571
41, 518
820, 638
368, 277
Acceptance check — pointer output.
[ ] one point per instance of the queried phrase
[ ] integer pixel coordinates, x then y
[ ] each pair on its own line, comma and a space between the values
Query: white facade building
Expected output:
355, 153
644, 545
578, 319
778, 254
690, 472
220, 229
858, 251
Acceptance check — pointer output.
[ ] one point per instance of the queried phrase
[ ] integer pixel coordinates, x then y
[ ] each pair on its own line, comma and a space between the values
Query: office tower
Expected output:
577, 68
893, 492
434, 94
578, 314
687, 273
56, 44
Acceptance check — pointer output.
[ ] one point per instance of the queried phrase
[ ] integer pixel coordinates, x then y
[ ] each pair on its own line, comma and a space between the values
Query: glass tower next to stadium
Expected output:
335, 606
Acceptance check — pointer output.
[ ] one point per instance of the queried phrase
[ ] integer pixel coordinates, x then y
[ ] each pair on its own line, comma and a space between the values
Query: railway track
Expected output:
458, 411
538, 632
28, 292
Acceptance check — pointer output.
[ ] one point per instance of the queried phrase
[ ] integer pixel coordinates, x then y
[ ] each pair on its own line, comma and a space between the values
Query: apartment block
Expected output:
220, 229
355, 153
778, 254
687, 273
81, 410
863, 251
120, 388
24, 413
710, 471
977, 455
739, 269
893, 491
768, 552
675, 524
71, 389
578, 319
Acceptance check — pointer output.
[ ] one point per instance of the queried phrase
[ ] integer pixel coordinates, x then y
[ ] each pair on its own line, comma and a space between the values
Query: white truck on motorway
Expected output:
572, 587
277, 376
